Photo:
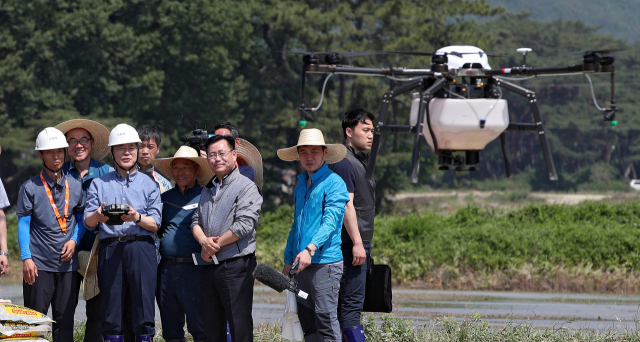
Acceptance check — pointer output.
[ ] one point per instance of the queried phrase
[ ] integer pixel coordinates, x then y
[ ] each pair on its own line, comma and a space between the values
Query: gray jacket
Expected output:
236, 207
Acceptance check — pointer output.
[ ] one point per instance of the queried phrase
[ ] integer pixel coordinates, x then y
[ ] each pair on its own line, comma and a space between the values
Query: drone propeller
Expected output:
453, 53
345, 54
609, 52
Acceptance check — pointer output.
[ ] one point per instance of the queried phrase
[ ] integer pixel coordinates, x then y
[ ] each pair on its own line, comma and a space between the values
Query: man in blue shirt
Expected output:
178, 290
127, 258
314, 240
48, 234
87, 145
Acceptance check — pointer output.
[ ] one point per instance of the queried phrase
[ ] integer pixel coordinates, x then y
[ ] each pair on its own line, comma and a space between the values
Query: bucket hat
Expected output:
99, 133
204, 175
313, 137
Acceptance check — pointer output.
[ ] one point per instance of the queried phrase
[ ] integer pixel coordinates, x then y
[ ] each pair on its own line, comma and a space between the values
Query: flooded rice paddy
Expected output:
553, 310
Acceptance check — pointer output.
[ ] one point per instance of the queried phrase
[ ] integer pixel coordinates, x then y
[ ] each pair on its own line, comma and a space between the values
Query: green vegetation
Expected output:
387, 328
173, 63
597, 244
615, 17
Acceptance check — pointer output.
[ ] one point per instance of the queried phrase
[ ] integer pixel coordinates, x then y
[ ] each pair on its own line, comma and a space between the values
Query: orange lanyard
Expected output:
62, 221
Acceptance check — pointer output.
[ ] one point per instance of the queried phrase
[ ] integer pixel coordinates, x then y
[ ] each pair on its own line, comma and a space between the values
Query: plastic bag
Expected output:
291, 328
16, 330
19, 313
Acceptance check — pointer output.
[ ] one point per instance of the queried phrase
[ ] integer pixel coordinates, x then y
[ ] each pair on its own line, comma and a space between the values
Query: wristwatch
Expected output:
139, 218
5, 254
311, 252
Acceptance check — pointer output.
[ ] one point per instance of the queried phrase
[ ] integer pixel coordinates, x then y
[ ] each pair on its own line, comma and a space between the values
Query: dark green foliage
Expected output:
474, 239
602, 235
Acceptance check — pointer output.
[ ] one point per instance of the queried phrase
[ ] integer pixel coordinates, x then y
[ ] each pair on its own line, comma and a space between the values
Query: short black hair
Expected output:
228, 125
351, 118
146, 132
214, 139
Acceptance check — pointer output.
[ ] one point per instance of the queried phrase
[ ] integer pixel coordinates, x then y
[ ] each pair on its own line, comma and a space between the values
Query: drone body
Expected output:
457, 106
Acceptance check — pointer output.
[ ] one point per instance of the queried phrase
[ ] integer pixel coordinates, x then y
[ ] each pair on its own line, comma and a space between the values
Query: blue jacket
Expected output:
319, 211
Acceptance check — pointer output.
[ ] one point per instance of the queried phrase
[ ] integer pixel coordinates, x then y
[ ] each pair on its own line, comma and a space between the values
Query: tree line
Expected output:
183, 65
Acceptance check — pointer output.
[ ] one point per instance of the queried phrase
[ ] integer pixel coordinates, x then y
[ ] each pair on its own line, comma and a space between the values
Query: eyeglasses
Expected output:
122, 149
221, 154
84, 141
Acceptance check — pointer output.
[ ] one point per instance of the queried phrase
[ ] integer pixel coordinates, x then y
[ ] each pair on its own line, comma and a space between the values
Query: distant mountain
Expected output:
616, 17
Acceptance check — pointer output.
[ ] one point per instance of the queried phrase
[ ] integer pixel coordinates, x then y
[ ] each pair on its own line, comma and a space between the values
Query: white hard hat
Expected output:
50, 139
123, 134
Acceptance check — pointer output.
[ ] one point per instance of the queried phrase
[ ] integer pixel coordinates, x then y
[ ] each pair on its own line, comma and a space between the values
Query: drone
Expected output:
457, 105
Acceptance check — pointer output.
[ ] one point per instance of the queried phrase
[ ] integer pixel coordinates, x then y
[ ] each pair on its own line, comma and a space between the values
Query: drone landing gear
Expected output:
448, 161
537, 126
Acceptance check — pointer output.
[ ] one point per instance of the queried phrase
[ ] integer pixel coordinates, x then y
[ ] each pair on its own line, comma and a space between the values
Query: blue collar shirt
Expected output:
45, 237
96, 169
139, 191
176, 238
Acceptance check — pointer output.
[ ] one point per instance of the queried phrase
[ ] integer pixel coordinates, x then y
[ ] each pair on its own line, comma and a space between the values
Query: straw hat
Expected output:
313, 137
204, 175
88, 262
249, 155
99, 133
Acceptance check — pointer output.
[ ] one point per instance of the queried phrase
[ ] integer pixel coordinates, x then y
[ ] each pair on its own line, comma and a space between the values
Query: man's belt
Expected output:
178, 260
126, 238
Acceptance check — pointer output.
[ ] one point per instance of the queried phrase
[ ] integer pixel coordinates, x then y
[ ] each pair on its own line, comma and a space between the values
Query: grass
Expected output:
589, 246
388, 328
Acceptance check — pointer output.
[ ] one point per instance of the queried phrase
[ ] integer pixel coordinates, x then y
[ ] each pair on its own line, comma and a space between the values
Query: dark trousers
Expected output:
58, 290
127, 267
93, 322
227, 296
352, 288
178, 296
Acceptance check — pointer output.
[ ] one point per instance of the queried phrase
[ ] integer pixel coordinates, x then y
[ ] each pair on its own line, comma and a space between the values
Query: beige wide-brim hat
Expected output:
204, 175
99, 133
313, 137
88, 268
249, 155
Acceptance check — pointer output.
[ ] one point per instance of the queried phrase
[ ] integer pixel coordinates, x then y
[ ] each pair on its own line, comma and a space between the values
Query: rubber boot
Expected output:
353, 334
112, 338
144, 338
228, 333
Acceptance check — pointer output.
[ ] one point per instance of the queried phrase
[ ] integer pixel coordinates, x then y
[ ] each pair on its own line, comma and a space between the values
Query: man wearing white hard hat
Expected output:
48, 234
127, 256
180, 301
314, 240
87, 141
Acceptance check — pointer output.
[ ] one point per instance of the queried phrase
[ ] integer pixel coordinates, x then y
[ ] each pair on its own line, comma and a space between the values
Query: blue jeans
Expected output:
178, 296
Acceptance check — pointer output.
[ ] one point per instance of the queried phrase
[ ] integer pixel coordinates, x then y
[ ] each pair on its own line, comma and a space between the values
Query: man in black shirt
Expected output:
357, 229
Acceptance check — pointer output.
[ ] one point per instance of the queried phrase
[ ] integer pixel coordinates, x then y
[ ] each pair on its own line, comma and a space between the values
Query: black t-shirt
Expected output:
344, 169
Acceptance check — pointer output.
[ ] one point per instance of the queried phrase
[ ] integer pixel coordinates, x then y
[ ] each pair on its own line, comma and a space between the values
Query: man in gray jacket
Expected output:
225, 226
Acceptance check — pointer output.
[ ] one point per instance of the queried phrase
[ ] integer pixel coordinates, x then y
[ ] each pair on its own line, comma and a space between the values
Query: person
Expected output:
48, 234
151, 139
227, 128
357, 230
178, 287
127, 258
314, 240
4, 250
87, 141
226, 229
